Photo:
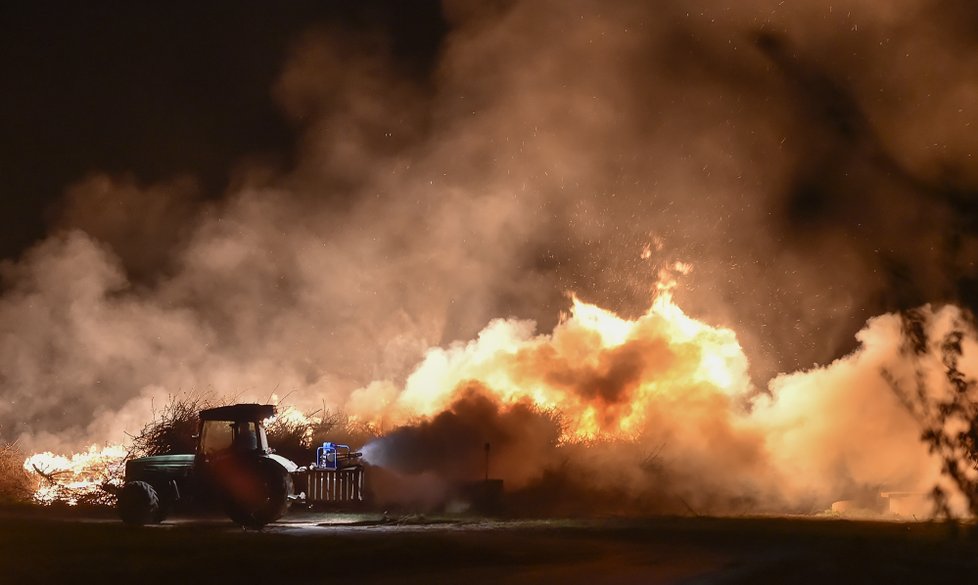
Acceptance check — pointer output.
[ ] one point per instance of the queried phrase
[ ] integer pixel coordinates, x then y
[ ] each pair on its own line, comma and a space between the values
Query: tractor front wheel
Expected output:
139, 504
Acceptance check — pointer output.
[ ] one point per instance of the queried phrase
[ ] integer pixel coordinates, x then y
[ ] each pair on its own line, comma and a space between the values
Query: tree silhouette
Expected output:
947, 412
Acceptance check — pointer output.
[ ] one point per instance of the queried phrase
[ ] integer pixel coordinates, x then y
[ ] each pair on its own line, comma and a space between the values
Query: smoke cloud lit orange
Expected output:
665, 383
408, 262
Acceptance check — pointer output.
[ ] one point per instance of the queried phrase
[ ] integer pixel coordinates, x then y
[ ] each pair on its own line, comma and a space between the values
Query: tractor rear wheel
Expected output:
139, 504
266, 499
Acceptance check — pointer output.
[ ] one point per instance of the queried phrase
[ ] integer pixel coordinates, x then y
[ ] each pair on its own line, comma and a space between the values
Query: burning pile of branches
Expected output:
292, 433
76, 479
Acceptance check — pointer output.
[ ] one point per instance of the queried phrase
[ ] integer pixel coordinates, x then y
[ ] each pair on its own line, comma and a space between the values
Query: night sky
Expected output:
157, 89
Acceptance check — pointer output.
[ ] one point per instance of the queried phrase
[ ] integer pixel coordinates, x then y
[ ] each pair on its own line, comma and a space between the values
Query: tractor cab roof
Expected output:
239, 412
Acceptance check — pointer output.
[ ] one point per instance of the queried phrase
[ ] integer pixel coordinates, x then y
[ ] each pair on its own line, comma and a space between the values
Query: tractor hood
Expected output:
159, 467
286, 464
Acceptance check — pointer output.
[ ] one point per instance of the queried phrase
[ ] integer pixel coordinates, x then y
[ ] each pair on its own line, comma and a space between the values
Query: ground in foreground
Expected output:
49, 548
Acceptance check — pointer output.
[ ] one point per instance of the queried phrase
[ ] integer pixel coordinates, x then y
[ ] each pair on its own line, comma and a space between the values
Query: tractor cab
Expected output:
238, 429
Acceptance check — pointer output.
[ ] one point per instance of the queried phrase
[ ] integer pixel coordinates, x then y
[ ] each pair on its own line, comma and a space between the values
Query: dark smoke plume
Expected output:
522, 439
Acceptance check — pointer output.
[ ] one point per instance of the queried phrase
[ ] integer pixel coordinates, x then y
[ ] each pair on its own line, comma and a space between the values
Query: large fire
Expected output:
600, 371
662, 380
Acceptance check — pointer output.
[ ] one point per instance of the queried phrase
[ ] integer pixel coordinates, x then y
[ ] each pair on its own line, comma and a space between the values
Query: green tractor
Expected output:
232, 468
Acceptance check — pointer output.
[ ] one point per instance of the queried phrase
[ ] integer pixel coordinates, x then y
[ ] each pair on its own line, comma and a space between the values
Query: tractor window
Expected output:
262, 437
217, 435
245, 437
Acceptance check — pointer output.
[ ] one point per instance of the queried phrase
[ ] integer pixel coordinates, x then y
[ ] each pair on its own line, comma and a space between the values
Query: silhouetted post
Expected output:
487, 461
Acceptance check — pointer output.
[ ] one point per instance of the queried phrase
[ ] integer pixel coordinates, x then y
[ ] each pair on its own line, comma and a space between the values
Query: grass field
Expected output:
48, 547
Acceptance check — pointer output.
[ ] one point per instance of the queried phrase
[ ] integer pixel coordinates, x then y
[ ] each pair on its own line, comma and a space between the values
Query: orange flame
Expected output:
600, 371
72, 478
